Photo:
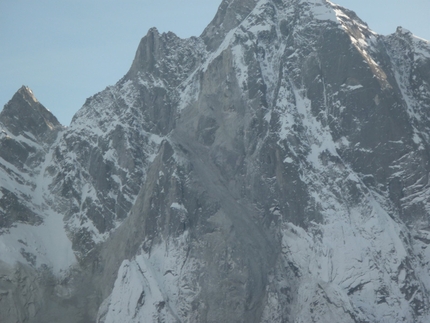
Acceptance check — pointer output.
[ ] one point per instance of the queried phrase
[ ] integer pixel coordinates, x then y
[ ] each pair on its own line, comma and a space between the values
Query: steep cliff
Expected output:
274, 169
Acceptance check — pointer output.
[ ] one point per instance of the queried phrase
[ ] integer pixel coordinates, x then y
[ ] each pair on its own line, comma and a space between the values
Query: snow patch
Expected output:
47, 244
322, 11
178, 206
288, 160
150, 288
354, 87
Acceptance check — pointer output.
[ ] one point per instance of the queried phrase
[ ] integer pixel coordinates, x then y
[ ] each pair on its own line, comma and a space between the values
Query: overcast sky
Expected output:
67, 50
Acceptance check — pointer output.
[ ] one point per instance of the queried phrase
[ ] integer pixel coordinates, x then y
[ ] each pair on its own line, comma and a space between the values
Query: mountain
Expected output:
274, 169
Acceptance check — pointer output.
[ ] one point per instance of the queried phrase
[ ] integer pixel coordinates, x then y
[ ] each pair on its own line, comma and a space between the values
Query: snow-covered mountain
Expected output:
274, 169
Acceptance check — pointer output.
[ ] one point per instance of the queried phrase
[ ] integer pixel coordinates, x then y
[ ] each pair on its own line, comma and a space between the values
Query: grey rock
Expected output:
274, 169
24, 114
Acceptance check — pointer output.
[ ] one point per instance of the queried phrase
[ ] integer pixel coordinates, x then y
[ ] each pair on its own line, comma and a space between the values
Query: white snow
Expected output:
322, 11
348, 255
241, 68
288, 160
178, 206
191, 92
356, 251
422, 48
347, 259
151, 287
354, 87
48, 242
224, 45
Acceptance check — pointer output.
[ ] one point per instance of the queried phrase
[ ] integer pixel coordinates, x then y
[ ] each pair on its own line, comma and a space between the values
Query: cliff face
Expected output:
274, 169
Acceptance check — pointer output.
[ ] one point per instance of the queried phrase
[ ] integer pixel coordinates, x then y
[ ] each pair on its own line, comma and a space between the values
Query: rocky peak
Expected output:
229, 15
403, 31
165, 60
27, 93
146, 53
274, 169
232, 13
25, 115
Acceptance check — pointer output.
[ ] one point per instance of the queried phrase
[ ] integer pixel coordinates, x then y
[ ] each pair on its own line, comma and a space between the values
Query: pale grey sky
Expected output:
68, 50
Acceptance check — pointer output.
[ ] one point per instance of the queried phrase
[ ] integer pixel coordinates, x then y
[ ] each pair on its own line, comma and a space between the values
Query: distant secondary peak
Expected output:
27, 93
153, 30
24, 113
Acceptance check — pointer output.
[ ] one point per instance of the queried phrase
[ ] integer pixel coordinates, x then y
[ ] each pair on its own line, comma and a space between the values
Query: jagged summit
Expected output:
229, 15
24, 113
232, 13
26, 92
158, 60
273, 170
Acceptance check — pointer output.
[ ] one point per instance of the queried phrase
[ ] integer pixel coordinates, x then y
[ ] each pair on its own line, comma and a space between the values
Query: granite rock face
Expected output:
274, 169
27, 131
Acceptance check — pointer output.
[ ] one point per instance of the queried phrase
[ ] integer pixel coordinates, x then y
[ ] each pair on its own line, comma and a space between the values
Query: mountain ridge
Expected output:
274, 169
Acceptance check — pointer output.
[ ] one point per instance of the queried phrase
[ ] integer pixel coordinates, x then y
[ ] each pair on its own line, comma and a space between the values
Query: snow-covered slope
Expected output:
274, 169
301, 111
32, 232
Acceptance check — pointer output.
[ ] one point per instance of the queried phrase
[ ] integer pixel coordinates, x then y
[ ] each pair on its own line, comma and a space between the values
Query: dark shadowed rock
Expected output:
25, 114
275, 169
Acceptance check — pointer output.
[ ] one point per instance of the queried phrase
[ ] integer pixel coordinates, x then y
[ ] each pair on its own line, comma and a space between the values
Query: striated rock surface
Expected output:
274, 169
